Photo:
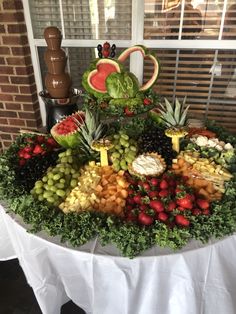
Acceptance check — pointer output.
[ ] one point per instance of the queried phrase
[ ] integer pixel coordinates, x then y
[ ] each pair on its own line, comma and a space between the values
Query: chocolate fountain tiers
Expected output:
59, 98
57, 82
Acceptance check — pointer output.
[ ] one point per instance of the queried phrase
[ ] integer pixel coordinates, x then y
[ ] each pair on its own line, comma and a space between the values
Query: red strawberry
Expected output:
172, 183
145, 219
29, 140
27, 156
179, 189
130, 192
21, 153
128, 112
172, 190
105, 53
181, 209
146, 186
38, 149
147, 101
40, 139
137, 199
206, 212
162, 216
203, 204
130, 201
196, 212
171, 206
163, 184
163, 193
182, 220
154, 181
106, 45
157, 205
28, 149
153, 194
52, 142
140, 183
190, 197
143, 207
185, 201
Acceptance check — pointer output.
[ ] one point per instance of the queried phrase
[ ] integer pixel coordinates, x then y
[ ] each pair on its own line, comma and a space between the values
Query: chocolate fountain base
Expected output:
56, 109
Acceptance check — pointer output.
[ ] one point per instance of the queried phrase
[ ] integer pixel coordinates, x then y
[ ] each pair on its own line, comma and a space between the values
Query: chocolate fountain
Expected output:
59, 98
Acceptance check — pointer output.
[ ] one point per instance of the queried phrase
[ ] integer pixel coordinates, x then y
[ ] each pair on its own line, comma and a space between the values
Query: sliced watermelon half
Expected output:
146, 55
67, 131
95, 81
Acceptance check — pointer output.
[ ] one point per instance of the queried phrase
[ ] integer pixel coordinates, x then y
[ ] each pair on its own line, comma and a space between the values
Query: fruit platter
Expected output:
129, 168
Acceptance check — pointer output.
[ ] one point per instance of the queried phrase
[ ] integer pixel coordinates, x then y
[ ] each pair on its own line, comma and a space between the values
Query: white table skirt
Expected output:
198, 279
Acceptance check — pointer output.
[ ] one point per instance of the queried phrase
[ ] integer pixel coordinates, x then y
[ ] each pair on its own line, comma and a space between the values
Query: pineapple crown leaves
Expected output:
174, 115
90, 130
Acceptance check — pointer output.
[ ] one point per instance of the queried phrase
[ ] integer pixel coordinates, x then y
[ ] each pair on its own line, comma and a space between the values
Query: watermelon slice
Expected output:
146, 55
67, 131
94, 81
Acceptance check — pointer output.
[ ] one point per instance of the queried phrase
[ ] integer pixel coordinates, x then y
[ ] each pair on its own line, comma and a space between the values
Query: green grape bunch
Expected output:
58, 181
123, 152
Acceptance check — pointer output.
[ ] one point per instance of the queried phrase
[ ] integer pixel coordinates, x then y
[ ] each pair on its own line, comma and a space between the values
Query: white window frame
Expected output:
136, 38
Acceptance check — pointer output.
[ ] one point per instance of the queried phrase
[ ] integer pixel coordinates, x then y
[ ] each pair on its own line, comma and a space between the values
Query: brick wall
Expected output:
19, 107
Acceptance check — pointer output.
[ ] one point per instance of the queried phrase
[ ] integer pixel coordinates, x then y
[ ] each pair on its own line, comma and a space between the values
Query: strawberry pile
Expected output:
35, 145
167, 199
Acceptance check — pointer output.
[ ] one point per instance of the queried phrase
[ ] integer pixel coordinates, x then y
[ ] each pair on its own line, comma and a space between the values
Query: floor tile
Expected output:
17, 297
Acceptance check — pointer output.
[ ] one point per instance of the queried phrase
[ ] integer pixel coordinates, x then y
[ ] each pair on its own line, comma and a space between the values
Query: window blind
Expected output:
206, 77
201, 20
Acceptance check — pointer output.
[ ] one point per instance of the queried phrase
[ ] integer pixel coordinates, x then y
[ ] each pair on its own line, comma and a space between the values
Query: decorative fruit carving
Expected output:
146, 55
122, 85
94, 80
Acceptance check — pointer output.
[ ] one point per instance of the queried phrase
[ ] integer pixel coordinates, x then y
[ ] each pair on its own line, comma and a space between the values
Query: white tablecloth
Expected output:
199, 279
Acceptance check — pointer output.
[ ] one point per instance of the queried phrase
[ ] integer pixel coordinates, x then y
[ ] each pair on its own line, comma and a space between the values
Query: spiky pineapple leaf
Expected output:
183, 104
169, 107
90, 130
183, 117
167, 117
177, 112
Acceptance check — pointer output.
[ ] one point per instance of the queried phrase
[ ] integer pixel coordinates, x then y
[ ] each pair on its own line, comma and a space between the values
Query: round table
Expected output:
195, 280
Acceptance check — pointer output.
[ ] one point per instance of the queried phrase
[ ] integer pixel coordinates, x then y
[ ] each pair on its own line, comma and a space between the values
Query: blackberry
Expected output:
154, 139
33, 170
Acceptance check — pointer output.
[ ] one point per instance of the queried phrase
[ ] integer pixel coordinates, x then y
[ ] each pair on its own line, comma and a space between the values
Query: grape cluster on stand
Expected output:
123, 152
154, 139
57, 183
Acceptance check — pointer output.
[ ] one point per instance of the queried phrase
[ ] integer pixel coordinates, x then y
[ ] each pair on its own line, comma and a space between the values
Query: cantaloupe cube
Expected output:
104, 182
99, 188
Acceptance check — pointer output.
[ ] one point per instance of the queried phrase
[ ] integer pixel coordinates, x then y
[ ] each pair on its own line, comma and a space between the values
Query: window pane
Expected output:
101, 19
84, 19
201, 20
229, 31
210, 86
43, 14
